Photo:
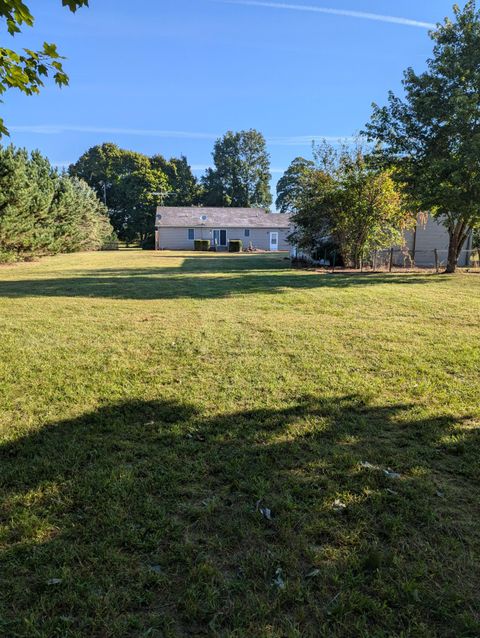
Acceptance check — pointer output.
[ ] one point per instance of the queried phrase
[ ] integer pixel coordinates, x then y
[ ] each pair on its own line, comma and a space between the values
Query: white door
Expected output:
274, 241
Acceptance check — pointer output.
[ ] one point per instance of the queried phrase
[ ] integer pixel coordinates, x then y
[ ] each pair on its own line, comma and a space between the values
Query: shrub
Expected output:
201, 244
328, 252
235, 246
148, 243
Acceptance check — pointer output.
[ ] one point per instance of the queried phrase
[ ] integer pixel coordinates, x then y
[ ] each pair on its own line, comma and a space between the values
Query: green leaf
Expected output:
25, 72
73, 5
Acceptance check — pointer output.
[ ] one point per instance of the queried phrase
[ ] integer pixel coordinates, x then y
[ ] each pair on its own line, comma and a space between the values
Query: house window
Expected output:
247, 232
191, 233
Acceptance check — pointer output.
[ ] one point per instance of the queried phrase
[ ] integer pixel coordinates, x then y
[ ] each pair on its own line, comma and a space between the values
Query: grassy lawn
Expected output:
221, 446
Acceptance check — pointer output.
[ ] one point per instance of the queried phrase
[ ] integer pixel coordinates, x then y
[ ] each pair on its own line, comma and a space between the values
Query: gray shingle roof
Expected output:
190, 217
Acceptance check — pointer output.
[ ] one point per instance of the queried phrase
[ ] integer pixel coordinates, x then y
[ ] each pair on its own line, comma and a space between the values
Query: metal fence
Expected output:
110, 245
403, 259
398, 259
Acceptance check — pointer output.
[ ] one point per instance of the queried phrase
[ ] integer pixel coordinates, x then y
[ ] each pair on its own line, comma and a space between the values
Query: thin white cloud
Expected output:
363, 15
59, 129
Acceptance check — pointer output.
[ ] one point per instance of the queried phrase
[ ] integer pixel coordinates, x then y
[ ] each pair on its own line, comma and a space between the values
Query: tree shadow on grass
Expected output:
161, 284
204, 264
159, 520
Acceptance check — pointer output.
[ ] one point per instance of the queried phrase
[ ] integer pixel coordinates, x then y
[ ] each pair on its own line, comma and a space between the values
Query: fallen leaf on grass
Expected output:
369, 466
391, 474
278, 581
314, 573
388, 472
264, 511
339, 506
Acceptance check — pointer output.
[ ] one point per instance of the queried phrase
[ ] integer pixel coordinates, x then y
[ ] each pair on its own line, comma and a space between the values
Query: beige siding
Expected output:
428, 237
260, 238
177, 238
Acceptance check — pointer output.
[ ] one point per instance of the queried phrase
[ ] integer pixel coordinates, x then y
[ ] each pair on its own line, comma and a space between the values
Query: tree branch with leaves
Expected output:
26, 70
432, 135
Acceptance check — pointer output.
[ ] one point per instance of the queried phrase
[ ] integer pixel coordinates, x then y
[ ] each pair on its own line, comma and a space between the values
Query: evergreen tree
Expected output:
42, 212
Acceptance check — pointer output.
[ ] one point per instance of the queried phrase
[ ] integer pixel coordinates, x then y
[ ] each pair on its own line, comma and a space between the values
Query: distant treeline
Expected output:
44, 212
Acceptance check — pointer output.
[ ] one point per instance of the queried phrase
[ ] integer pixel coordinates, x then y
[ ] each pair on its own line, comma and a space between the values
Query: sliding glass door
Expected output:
219, 237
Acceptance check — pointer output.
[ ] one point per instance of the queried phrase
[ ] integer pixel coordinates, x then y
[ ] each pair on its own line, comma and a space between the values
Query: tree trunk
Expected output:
452, 254
458, 234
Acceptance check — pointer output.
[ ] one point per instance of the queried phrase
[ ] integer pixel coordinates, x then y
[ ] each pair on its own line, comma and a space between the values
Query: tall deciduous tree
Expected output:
132, 184
432, 136
138, 195
103, 166
26, 70
346, 201
184, 189
241, 176
291, 183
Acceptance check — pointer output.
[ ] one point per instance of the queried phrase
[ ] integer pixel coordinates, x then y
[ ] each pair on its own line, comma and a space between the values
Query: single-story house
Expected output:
176, 228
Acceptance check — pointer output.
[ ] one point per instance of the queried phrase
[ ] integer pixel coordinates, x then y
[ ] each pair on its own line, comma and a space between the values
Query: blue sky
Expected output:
169, 76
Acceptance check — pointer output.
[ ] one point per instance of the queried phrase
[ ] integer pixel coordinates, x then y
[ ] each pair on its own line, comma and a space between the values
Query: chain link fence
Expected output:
397, 260
403, 259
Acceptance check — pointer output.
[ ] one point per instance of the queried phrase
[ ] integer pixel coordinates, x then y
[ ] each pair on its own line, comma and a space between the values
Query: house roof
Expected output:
191, 217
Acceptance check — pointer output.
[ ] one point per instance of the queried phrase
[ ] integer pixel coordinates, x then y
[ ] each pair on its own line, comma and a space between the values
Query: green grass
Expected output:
149, 401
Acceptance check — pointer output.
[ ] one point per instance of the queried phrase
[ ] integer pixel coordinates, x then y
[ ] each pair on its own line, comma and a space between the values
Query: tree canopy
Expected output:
137, 196
241, 176
183, 185
103, 166
132, 185
432, 135
291, 183
26, 70
347, 202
